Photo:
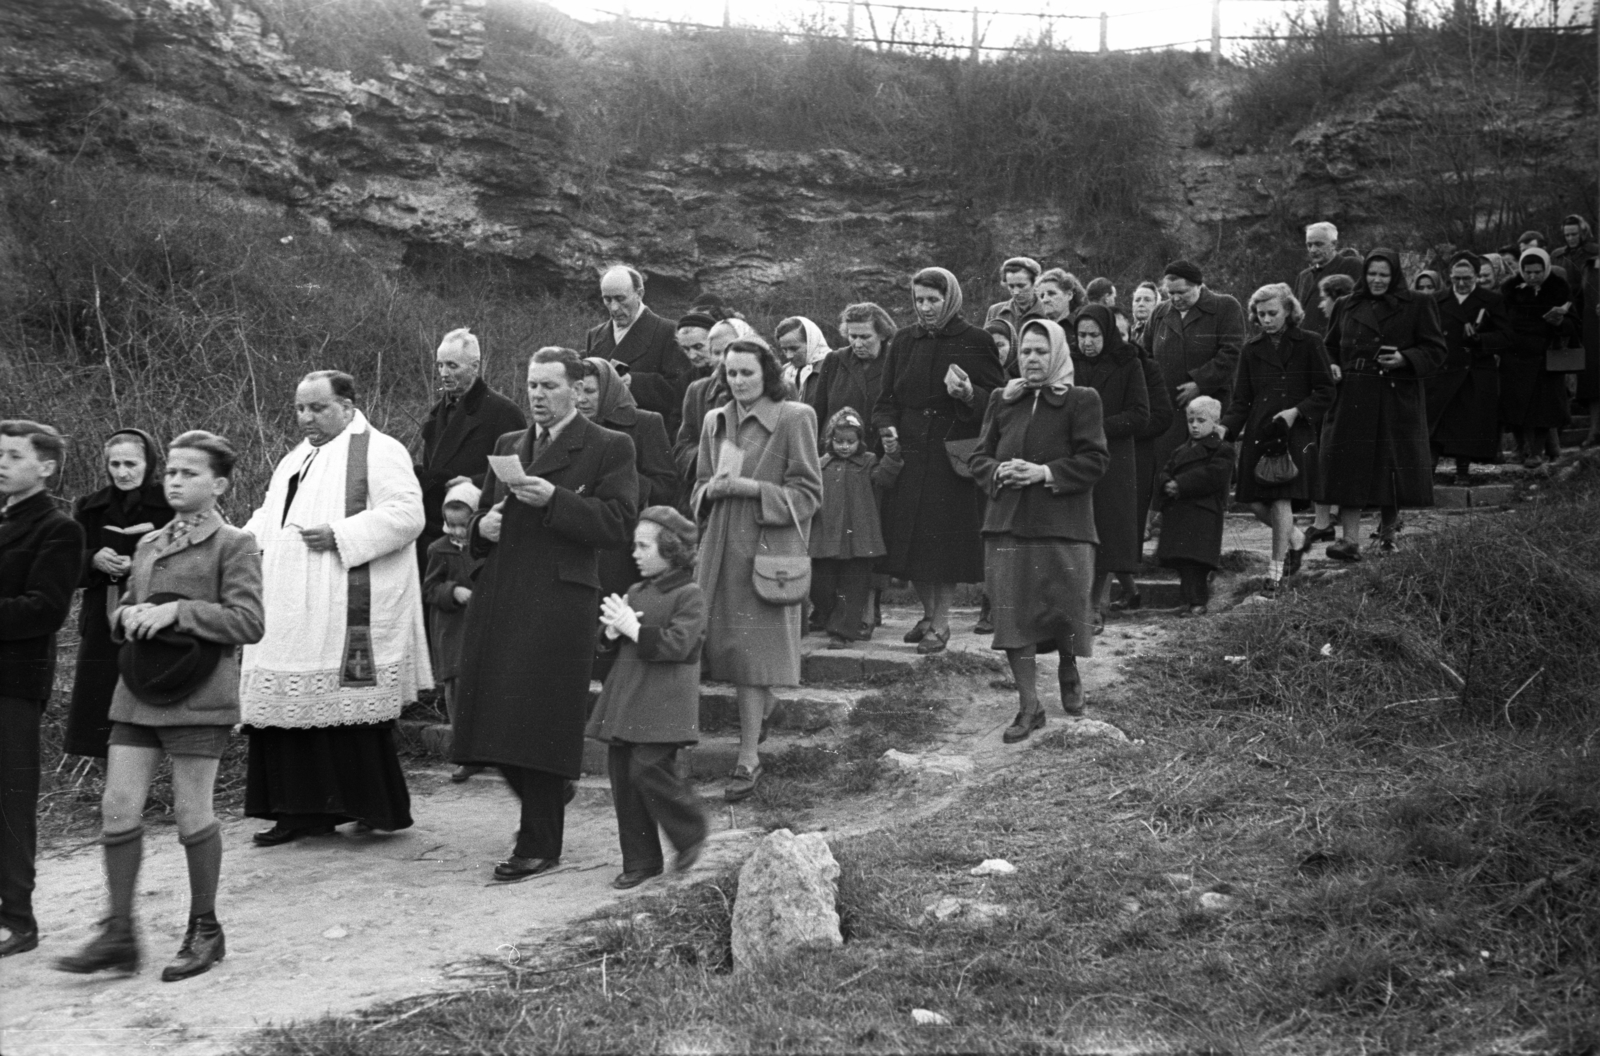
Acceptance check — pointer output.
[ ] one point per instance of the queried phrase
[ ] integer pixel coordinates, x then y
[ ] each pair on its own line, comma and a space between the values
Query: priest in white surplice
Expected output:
345, 645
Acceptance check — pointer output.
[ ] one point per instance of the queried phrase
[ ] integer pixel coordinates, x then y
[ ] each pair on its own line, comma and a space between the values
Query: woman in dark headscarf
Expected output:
1533, 400
936, 383
114, 519
605, 399
1427, 282
1108, 365
1004, 336
1385, 340
1042, 451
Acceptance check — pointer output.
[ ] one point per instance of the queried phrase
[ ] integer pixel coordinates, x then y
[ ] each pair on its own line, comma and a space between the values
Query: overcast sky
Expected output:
1132, 23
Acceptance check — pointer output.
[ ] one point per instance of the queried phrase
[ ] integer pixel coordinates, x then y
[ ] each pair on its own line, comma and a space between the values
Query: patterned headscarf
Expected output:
1058, 376
616, 403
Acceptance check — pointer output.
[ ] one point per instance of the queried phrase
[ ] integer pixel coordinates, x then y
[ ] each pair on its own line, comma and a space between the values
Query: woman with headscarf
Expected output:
804, 348
1385, 340
1581, 258
114, 519
1427, 282
1491, 272
1533, 400
1042, 451
1105, 363
854, 376
1463, 395
605, 399
1283, 387
936, 383
1004, 336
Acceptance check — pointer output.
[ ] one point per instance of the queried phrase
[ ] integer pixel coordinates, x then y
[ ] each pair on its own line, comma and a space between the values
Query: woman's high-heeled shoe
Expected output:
934, 642
918, 631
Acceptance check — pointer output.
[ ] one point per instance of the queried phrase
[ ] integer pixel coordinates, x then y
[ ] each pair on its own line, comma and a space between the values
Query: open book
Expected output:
124, 540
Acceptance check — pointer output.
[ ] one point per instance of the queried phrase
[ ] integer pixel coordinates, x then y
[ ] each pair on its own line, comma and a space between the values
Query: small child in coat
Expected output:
1192, 494
446, 589
846, 536
650, 705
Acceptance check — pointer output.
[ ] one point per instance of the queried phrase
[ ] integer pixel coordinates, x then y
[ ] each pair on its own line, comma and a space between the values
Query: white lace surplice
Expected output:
291, 677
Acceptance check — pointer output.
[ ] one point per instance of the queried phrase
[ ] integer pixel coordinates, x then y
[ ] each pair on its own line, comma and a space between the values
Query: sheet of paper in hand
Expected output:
730, 460
509, 469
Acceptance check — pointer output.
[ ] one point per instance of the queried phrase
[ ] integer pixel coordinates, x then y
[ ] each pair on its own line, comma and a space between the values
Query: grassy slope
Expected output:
1408, 872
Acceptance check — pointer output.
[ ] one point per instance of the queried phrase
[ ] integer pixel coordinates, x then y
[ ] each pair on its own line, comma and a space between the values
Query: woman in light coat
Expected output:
759, 484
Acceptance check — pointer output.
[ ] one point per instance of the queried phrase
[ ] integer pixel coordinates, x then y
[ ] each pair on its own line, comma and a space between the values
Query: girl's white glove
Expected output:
620, 621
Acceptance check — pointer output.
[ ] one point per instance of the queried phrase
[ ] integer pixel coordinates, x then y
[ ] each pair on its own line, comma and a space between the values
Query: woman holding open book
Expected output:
114, 519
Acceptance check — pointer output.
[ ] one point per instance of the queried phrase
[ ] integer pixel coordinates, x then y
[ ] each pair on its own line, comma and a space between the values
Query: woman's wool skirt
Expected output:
1039, 592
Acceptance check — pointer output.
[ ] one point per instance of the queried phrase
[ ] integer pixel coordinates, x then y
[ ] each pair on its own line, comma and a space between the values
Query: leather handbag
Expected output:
1276, 469
1564, 360
959, 451
782, 579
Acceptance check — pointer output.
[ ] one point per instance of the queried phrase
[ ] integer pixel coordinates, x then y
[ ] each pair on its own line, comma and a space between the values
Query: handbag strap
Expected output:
761, 537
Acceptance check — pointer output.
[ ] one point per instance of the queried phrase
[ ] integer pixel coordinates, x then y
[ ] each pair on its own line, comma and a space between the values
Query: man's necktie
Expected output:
541, 444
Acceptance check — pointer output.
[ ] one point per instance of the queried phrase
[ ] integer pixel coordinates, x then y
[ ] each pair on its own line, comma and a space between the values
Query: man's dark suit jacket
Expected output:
457, 442
41, 558
657, 366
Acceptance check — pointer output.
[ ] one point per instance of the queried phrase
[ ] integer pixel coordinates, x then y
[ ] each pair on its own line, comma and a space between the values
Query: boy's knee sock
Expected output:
204, 851
124, 851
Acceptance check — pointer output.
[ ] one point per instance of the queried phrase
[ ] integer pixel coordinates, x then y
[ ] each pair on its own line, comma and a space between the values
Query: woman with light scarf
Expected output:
803, 348
1042, 450
1533, 400
936, 383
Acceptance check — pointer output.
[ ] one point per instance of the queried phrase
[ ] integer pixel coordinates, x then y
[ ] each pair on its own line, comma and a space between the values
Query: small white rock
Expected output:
1235, 659
1216, 902
993, 867
338, 931
1327, 649
1181, 881
923, 1017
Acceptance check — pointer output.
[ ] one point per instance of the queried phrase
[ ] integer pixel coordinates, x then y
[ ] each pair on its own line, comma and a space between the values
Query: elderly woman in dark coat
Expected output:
1108, 365
1385, 340
1283, 387
1042, 451
853, 376
133, 500
760, 484
1533, 401
936, 383
1464, 394
603, 398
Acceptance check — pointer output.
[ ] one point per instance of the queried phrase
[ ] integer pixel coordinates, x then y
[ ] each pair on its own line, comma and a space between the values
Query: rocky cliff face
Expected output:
448, 163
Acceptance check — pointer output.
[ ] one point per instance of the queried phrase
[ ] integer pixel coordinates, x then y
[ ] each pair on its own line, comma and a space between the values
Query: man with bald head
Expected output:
459, 435
641, 345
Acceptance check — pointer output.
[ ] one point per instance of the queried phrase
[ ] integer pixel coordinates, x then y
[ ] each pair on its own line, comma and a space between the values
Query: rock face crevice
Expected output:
454, 164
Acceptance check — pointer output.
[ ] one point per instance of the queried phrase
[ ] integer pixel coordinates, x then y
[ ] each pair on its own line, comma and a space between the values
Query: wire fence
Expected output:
982, 32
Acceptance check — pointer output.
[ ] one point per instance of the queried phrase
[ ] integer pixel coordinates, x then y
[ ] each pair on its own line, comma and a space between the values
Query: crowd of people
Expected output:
685, 500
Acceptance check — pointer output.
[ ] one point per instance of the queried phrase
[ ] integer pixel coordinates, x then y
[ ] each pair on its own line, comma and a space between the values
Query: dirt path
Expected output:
336, 924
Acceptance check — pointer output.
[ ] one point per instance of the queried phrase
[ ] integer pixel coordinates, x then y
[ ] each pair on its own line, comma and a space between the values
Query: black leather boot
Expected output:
116, 947
203, 946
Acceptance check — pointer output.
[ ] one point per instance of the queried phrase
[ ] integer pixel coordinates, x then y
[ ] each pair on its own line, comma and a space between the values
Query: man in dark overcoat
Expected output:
1325, 257
1463, 396
641, 345
460, 432
41, 558
1195, 336
530, 630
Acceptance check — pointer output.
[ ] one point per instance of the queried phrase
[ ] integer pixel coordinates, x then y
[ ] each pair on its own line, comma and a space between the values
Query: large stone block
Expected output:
1492, 494
788, 894
1452, 498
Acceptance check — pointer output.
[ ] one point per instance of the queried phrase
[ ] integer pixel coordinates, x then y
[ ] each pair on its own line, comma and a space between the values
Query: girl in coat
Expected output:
650, 706
1533, 401
935, 384
194, 589
1109, 366
1385, 340
113, 519
1192, 495
846, 538
1283, 387
759, 485
1040, 455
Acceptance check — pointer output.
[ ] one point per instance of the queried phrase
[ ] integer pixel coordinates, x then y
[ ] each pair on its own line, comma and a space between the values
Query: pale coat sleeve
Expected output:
237, 616
802, 474
393, 517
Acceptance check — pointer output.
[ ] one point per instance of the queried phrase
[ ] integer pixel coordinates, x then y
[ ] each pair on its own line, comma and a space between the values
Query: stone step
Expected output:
710, 760
806, 707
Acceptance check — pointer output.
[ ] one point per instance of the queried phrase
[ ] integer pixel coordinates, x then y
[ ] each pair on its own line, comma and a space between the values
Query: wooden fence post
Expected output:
1335, 16
974, 36
850, 23
1216, 31
1103, 21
